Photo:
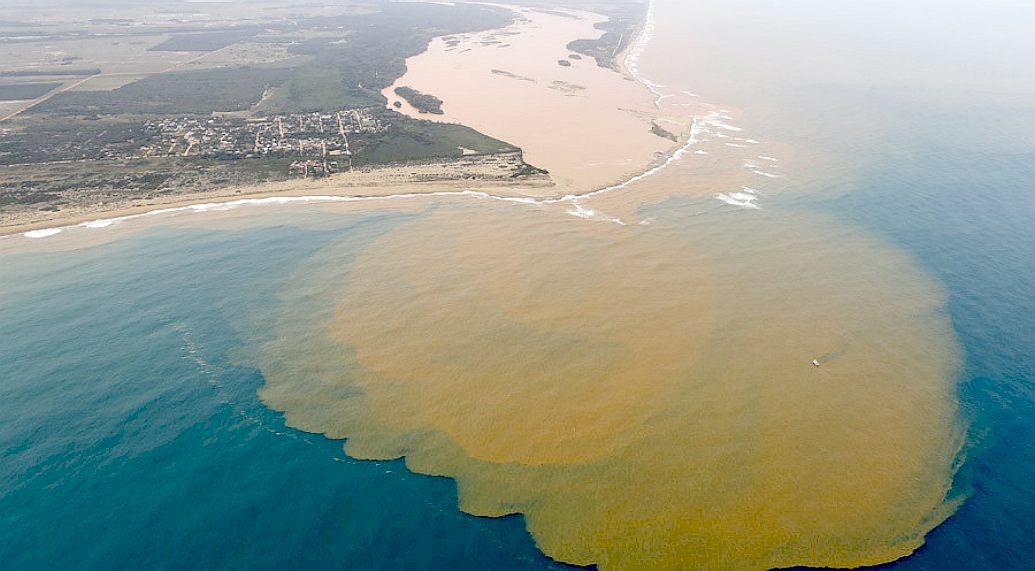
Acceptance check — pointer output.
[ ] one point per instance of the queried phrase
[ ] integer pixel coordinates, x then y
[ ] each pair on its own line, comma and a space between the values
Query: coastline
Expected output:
639, 43
290, 191
335, 188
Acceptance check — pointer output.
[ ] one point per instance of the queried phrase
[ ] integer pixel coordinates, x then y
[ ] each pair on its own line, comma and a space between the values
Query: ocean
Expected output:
176, 391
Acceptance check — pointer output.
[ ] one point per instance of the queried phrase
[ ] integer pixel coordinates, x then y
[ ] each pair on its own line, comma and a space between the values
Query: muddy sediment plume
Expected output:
645, 396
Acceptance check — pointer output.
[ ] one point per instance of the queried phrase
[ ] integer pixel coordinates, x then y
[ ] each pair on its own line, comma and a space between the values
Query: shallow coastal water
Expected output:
642, 391
129, 436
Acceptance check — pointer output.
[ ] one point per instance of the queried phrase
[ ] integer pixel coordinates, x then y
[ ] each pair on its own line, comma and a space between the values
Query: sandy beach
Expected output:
331, 187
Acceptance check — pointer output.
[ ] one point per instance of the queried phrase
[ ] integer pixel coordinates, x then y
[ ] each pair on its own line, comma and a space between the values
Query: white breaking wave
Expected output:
768, 174
274, 200
695, 129
719, 124
772, 159
738, 199
43, 233
632, 59
581, 211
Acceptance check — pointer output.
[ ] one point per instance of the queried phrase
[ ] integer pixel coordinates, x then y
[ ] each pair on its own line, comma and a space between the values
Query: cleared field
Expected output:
9, 107
250, 53
125, 54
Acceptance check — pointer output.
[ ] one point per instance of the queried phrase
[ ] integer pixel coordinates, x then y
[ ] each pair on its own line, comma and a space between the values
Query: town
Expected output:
320, 140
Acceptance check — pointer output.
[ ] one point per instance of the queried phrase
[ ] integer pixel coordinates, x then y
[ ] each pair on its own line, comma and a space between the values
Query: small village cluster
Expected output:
320, 141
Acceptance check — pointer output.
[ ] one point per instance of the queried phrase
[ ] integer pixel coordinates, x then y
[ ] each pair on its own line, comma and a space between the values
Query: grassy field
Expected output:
20, 91
178, 93
312, 88
411, 139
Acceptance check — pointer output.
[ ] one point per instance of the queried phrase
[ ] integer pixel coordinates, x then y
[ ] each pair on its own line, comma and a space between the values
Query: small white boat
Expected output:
815, 362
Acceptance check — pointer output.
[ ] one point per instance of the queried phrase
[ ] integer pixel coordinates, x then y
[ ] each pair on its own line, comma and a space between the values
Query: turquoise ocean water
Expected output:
131, 437
130, 440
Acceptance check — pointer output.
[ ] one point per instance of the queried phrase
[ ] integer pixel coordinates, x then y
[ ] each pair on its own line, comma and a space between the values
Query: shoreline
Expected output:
101, 215
639, 42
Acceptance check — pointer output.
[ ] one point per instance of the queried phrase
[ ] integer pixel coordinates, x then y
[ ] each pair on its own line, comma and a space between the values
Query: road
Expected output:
68, 87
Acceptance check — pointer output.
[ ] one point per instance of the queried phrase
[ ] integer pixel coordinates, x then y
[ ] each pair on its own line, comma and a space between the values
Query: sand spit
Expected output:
482, 173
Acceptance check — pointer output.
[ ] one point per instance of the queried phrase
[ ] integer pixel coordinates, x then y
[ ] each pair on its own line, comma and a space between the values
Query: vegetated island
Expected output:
662, 132
422, 102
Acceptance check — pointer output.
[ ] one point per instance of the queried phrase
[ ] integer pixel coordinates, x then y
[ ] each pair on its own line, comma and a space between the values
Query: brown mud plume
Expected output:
644, 395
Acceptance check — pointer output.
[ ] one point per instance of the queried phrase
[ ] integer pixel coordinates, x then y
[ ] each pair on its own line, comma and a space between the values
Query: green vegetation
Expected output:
372, 52
411, 139
624, 18
48, 186
349, 70
662, 132
20, 91
422, 102
204, 42
180, 93
71, 140
309, 89
61, 72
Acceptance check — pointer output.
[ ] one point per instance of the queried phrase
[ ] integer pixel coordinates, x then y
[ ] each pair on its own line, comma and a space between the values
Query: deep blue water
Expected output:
129, 440
967, 215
